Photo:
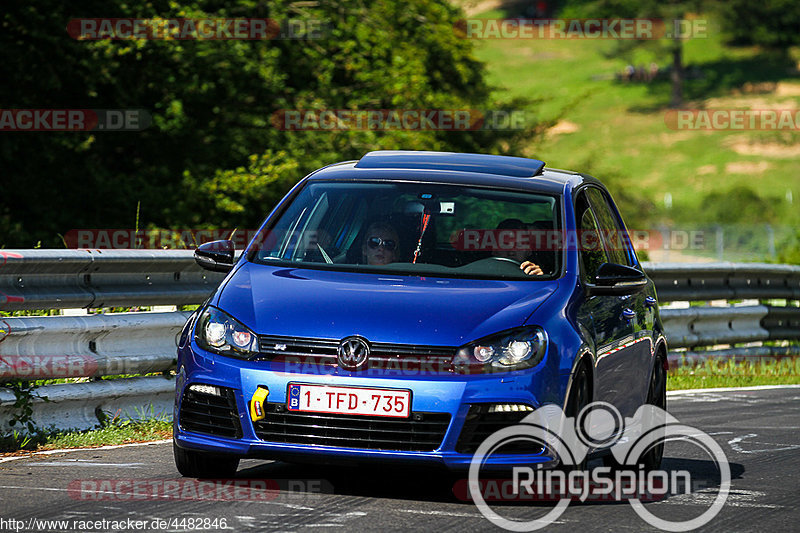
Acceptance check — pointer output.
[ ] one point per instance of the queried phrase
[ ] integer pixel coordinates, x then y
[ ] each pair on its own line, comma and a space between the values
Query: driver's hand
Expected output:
531, 269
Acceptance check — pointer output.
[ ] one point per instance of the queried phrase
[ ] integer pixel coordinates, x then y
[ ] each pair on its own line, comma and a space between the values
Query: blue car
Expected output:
405, 306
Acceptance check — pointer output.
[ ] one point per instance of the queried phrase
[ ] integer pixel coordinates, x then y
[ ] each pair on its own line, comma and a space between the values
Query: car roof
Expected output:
455, 168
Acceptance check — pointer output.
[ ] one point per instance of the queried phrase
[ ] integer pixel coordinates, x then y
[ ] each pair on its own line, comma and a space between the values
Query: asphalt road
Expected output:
757, 429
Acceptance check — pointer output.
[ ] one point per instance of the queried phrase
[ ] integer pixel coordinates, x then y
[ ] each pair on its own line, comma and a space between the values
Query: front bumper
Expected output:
450, 394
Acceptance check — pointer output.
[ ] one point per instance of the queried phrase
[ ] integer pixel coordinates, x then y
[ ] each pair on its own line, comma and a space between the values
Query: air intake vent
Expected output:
211, 410
422, 432
484, 419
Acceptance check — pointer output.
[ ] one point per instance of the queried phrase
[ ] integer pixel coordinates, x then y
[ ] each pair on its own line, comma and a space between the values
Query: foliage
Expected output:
768, 23
790, 249
740, 203
23, 402
211, 103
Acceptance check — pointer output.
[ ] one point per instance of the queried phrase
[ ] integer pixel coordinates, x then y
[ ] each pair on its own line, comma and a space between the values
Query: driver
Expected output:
380, 244
516, 254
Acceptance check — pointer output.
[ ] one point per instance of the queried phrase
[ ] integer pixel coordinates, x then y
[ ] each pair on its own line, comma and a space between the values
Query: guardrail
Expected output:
67, 279
91, 346
724, 281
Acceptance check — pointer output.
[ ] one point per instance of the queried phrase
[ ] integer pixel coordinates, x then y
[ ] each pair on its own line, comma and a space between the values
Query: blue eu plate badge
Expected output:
294, 396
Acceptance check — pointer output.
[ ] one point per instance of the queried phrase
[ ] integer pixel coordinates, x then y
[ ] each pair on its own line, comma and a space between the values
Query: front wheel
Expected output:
656, 395
192, 463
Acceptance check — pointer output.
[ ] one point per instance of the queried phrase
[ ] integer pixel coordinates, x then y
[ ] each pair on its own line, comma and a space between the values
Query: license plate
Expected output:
349, 400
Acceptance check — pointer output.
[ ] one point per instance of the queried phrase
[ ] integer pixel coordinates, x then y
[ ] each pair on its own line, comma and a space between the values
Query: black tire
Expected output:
656, 395
191, 463
579, 397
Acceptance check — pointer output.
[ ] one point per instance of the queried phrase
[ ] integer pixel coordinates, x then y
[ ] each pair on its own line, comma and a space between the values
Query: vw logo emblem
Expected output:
353, 353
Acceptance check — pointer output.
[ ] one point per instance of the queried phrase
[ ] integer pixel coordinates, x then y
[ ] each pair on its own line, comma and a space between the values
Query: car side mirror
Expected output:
615, 279
216, 256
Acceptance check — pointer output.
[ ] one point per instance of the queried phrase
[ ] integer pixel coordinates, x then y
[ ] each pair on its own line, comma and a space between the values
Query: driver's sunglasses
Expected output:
375, 242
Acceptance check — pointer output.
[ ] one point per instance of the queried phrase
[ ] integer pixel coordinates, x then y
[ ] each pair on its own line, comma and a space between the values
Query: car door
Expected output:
640, 306
611, 316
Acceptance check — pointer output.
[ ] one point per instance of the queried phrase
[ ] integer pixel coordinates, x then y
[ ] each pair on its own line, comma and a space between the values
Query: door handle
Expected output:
628, 314
650, 301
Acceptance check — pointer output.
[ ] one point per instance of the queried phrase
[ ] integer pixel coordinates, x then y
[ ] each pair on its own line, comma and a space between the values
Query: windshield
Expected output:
416, 229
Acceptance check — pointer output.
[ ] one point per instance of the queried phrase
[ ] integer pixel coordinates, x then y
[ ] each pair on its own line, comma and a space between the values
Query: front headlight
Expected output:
218, 332
510, 350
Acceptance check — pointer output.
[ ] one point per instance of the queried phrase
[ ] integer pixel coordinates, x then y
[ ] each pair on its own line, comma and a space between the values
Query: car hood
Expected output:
380, 307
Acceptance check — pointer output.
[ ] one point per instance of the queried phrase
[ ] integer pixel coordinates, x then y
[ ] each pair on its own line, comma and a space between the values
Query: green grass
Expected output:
620, 133
721, 373
143, 431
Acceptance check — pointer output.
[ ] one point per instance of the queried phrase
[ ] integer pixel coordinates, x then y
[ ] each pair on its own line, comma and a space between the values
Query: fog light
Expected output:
205, 389
509, 407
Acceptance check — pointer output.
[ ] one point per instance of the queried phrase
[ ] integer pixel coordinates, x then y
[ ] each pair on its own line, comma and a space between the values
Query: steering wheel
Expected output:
519, 264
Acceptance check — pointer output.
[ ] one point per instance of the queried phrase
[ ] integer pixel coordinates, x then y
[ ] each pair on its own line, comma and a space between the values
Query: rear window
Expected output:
415, 228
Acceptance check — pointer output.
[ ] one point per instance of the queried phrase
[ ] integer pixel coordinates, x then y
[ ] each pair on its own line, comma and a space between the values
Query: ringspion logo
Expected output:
567, 441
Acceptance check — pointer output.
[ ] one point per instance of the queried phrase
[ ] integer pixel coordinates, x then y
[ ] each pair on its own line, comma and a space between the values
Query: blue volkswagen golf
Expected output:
405, 306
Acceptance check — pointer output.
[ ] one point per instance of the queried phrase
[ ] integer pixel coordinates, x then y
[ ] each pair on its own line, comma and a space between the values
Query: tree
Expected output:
211, 103
769, 23
672, 12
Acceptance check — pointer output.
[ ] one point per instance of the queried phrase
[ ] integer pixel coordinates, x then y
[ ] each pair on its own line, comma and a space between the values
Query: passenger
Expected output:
521, 256
380, 245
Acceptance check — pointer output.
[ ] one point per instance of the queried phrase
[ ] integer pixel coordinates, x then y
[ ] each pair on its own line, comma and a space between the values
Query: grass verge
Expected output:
143, 431
126, 432
716, 373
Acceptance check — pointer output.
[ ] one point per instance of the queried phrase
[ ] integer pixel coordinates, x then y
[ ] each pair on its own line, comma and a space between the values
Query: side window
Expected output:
611, 229
591, 251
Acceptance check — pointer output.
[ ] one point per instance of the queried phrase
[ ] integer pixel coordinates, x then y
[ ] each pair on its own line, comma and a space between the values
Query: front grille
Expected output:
421, 432
480, 424
211, 414
312, 351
